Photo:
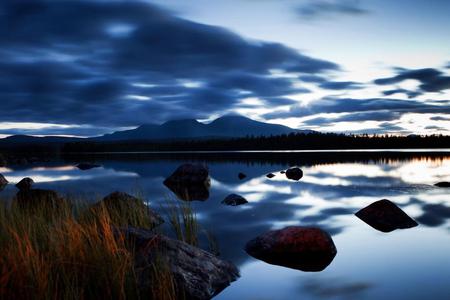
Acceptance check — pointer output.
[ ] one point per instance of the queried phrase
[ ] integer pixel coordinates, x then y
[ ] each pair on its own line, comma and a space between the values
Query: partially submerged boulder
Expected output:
303, 248
294, 173
234, 200
3, 182
443, 184
190, 182
124, 210
270, 175
385, 216
241, 176
38, 199
87, 166
25, 184
197, 274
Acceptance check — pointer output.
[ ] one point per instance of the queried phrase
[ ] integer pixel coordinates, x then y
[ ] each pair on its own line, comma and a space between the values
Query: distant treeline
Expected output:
292, 141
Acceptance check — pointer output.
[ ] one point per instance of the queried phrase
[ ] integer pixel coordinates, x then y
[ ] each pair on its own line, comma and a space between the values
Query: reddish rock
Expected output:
190, 182
294, 173
25, 184
304, 248
385, 216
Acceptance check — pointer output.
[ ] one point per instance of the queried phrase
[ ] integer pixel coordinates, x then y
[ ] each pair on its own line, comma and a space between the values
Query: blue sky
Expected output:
89, 67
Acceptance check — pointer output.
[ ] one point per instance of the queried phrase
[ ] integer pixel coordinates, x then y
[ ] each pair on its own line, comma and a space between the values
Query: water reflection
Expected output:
332, 189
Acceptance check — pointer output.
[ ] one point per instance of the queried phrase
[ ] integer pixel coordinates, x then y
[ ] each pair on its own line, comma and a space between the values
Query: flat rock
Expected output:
234, 200
190, 182
385, 216
303, 248
294, 173
443, 184
198, 274
25, 184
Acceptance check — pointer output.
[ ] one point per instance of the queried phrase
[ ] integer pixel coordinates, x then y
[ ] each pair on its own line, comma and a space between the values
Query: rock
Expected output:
197, 274
3, 161
234, 200
443, 184
3, 182
25, 184
270, 175
38, 199
294, 173
87, 166
190, 182
125, 210
241, 176
385, 216
282, 172
304, 248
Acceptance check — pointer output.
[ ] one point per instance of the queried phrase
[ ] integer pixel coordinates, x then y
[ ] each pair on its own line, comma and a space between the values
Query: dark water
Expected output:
404, 264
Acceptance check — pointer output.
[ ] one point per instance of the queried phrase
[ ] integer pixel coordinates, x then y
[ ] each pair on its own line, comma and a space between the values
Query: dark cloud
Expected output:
312, 78
325, 8
341, 85
77, 62
386, 115
410, 94
431, 80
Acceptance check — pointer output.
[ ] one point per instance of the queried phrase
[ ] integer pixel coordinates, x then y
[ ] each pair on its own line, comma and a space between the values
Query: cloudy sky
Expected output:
85, 68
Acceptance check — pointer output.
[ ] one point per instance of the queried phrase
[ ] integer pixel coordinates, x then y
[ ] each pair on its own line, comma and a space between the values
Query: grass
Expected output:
74, 253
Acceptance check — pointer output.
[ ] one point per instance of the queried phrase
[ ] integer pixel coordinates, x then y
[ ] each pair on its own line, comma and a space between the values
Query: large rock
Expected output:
125, 210
190, 182
35, 199
87, 166
304, 248
197, 274
294, 173
3, 182
25, 184
443, 184
234, 200
385, 216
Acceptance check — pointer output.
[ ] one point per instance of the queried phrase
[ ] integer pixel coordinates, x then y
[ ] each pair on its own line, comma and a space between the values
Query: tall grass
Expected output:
183, 221
62, 255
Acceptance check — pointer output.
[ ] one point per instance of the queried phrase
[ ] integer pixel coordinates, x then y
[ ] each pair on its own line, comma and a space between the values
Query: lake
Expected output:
404, 264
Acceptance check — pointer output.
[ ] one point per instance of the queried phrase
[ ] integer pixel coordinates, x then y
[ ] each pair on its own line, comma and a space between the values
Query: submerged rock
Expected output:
197, 274
38, 199
241, 176
87, 166
125, 209
443, 184
304, 248
190, 182
270, 175
294, 173
3, 182
25, 184
385, 216
234, 200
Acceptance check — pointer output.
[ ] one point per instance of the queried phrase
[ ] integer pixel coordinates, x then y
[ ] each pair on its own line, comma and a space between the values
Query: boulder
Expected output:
125, 210
190, 182
234, 200
38, 199
197, 274
3, 182
241, 176
270, 175
385, 216
294, 173
87, 166
303, 248
25, 184
443, 184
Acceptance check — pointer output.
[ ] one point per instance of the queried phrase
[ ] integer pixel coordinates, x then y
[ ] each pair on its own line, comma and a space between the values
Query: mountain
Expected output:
226, 126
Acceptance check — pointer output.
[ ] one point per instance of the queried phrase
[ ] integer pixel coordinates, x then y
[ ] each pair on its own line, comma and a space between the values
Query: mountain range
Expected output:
223, 127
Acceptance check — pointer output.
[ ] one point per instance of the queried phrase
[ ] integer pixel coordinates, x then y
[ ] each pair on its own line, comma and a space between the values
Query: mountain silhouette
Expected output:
226, 126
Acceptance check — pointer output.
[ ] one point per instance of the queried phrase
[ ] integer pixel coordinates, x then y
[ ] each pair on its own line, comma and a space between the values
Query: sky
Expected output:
89, 67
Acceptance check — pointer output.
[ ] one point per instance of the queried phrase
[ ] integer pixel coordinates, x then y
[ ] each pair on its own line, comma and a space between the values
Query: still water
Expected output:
404, 264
